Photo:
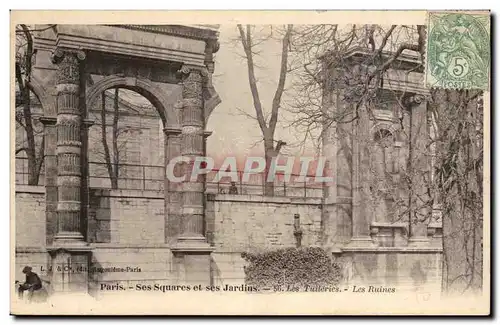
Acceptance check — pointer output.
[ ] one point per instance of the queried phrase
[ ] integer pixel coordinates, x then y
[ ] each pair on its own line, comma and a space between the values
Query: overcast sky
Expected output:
235, 133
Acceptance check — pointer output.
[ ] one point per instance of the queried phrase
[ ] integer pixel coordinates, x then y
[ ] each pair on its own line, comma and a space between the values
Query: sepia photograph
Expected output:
260, 162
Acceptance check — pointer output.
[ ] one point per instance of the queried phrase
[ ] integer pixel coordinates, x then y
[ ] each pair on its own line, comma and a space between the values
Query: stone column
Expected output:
170, 191
69, 143
420, 213
69, 252
329, 214
192, 126
192, 251
361, 210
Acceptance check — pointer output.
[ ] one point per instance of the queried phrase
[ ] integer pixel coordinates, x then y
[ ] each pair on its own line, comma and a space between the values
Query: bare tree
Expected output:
112, 166
23, 114
454, 150
268, 127
111, 146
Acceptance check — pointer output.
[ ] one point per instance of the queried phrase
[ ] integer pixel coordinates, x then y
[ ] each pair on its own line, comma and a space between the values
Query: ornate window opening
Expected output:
385, 151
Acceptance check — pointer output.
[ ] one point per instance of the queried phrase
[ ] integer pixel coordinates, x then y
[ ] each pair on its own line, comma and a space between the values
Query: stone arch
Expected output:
46, 99
391, 127
142, 86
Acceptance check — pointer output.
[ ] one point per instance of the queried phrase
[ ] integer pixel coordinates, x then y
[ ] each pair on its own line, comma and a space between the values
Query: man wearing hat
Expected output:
31, 284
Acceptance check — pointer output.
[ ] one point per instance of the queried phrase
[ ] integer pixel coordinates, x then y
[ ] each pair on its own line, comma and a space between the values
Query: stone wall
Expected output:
30, 216
127, 229
30, 230
129, 265
405, 268
129, 217
239, 223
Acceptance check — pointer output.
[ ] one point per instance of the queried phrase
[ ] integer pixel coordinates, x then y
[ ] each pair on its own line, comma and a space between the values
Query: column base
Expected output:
70, 267
192, 261
69, 236
419, 241
361, 241
192, 244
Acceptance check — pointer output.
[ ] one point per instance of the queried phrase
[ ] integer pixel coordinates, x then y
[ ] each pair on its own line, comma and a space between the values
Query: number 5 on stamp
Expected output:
458, 50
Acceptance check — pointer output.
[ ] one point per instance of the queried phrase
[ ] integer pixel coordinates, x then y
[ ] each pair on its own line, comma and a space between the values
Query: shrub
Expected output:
296, 267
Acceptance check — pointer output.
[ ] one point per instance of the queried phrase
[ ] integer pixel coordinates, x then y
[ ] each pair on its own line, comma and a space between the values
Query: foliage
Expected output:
297, 267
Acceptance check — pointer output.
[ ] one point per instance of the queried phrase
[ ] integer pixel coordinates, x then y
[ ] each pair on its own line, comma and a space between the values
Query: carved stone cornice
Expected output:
176, 30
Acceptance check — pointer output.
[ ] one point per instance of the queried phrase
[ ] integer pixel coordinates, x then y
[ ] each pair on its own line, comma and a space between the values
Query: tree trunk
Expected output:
269, 153
116, 160
30, 137
104, 139
460, 190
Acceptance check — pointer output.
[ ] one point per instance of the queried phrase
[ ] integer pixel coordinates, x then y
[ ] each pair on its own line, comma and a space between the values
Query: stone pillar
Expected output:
70, 254
50, 163
420, 213
69, 142
70, 270
170, 191
329, 213
192, 249
361, 210
192, 126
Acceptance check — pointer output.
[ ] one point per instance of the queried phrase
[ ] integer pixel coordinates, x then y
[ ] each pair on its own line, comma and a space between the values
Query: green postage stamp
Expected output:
458, 50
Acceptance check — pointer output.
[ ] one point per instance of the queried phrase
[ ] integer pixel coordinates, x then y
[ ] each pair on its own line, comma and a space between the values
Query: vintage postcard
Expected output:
250, 163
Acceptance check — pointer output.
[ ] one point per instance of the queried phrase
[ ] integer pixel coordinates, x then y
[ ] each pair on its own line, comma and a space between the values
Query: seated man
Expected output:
32, 283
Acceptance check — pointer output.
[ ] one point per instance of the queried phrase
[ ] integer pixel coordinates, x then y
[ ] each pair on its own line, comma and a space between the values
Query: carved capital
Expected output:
414, 100
212, 46
48, 120
57, 55
179, 104
68, 62
81, 55
187, 71
171, 131
86, 123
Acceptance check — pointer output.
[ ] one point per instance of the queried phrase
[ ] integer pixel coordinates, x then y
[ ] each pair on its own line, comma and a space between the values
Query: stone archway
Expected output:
166, 57
46, 99
142, 86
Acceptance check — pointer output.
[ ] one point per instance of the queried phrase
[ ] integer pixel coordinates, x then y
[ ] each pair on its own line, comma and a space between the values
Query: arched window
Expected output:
384, 151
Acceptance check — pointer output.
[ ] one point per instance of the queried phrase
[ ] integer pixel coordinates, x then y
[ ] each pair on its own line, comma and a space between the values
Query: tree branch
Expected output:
246, 41
281, 83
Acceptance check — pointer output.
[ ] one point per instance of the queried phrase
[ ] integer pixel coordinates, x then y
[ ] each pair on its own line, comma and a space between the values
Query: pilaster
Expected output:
420, 212
361, 211
50, 164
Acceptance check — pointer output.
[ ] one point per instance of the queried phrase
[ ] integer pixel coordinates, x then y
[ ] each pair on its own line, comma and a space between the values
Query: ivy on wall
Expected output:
300, 268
